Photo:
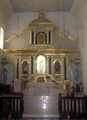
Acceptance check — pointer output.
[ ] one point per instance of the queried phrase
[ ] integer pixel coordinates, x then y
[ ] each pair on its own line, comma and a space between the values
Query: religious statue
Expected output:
8, 74
25, 67
57, 67
41, 38
76, 74
41, 66
5, 72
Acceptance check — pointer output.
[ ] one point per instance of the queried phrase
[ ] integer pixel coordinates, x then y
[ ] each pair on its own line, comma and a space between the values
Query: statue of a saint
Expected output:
8, 74
57, 67
41, 66
5, 75
25, 68
76, 74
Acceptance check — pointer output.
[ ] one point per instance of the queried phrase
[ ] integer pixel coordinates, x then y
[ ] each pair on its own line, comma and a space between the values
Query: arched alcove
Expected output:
41, 64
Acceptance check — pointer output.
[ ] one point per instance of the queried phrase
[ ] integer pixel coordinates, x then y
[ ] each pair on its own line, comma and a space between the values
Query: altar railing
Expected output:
13, 104
75, 106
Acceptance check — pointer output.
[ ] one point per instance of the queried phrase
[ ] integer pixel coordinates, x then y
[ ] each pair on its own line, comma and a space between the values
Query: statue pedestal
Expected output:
40, 88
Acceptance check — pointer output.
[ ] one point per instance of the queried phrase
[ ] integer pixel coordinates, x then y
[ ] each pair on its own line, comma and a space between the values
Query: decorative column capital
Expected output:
62, 56
50, 28
32, 28
20, 56
67, 56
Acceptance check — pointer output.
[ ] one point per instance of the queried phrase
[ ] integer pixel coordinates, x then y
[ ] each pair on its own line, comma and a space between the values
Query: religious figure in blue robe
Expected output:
8, 74
76, 74
5, 75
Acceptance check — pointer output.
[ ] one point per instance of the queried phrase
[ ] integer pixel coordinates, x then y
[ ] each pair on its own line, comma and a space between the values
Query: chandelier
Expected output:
17, 33
76, 60
63, 33
24, 42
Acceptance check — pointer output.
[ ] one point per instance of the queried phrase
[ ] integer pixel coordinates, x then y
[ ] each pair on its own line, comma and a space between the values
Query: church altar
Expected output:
40, 88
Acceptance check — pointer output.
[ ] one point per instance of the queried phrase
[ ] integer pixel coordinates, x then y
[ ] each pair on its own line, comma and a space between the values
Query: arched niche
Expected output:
25, 66
41, 64
75, 73
41, 38
8, 73
57, 66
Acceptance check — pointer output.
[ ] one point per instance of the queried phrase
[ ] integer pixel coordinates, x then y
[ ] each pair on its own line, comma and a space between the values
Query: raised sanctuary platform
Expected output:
40, 104
42, 98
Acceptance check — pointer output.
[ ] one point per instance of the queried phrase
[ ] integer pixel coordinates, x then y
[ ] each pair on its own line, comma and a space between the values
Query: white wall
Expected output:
3, 17
84, 56
82, 14
82, 36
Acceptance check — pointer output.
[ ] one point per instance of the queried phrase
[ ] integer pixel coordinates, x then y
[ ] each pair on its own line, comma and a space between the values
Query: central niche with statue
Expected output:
41, 64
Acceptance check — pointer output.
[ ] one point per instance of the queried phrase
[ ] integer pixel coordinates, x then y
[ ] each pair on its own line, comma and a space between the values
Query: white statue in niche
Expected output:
41, 64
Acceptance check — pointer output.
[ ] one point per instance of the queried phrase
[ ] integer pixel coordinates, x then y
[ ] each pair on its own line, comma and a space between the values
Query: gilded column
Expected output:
30, 36
15, 67
29, 65
62, 67
67, 64
52, 65
47, 37
34, 37
51, 37
20, 72
47, 64
33, 64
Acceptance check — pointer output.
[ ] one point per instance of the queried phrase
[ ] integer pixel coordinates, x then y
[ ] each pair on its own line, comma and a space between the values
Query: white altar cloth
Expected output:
40, 88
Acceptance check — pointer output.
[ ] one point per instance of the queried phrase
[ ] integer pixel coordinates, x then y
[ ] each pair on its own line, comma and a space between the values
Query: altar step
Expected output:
43, 117
40, 116
40, 104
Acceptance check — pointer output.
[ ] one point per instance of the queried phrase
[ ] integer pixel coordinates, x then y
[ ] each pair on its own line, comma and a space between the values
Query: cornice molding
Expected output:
76, 7
48, 51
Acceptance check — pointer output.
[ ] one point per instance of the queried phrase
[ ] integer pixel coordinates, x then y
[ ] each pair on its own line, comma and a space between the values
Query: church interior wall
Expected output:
83, 50
82, 37
82, 14
2, 17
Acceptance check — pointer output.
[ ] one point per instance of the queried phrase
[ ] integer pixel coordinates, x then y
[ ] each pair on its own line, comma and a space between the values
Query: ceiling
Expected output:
41, 5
